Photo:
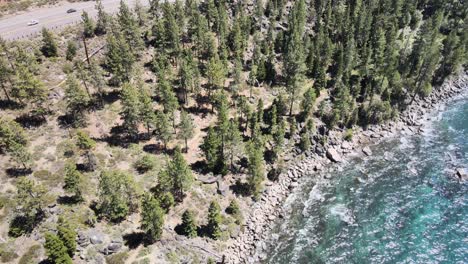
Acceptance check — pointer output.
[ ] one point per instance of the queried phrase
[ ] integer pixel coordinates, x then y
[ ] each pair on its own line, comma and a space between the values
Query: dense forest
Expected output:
200, 89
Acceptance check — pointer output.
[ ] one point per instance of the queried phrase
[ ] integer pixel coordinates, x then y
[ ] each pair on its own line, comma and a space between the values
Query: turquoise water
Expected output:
402, 205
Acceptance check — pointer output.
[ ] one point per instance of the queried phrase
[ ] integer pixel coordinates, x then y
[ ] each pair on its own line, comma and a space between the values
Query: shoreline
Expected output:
269, 208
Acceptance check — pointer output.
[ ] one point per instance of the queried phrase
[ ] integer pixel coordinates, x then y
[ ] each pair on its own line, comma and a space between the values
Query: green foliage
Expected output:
177, 177
83, 141
73, 182
307, 103
348, 136
77, 100
234, 210
189, 224
88, 25
129, 28
234, 146
7, 256
152, 218
117, 195
215, 73
30, 202
49, 45
71, 50
166, 200
256, 166
31, 256
117, 258
11, 134
130, 109
56, 251
214, 220
186, 128
212, 148
67, 235
119, 58
305, 143
145, 163
102, 19
164, 130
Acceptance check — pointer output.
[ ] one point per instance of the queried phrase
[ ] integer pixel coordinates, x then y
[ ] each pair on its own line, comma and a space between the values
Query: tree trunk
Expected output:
86, 50
186, 145
6, 92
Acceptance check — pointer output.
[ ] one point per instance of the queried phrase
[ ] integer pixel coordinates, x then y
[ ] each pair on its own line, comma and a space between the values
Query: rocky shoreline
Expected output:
268, 208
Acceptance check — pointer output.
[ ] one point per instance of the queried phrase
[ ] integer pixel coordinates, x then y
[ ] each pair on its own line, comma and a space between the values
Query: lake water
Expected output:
401, 205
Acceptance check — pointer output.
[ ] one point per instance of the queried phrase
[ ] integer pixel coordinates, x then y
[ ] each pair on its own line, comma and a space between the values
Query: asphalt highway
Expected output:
16, 27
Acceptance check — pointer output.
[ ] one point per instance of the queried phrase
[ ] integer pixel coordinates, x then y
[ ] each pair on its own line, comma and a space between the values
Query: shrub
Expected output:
146, 163
118, 258
348, 136
31, 255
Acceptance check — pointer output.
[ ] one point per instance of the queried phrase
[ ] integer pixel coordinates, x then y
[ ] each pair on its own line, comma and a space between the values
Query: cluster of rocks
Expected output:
94, 241
267, 209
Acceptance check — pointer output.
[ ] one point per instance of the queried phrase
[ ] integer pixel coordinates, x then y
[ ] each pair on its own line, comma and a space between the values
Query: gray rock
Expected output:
222, 187
367, 151
96, 237
333, 155
82, 239
207, 179
462, 174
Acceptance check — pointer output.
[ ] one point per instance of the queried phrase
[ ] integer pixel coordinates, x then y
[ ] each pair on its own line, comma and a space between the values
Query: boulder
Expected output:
462, 174
207, 179
222, 187
83, 239
333, 155
367, 151
96, 237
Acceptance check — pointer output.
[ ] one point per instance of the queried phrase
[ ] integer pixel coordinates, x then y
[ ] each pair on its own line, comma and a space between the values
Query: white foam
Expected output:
343, 213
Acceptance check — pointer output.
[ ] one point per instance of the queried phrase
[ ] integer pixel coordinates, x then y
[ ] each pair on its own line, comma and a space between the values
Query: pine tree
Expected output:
177, 176
86, 145
234, 144
56, 250
119, 58
168, 99
73, 182
67, 235
49, 45
152, 218
117, 195
129, 28
294, 66
140, 13
256, 165
189, 224
11, 133
278, 137
88, 25
307, 103
186, 128
215, 73
214, 220
28, 87
6, 74
30, 203
77, 100
102, 19
164, 130
234, 210
130, 109
211, 147
71, 50
146, 111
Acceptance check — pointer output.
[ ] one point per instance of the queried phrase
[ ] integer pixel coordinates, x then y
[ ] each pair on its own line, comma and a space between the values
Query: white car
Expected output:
33, 22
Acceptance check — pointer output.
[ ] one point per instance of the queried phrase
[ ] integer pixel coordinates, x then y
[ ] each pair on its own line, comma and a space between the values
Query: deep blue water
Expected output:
401, 205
